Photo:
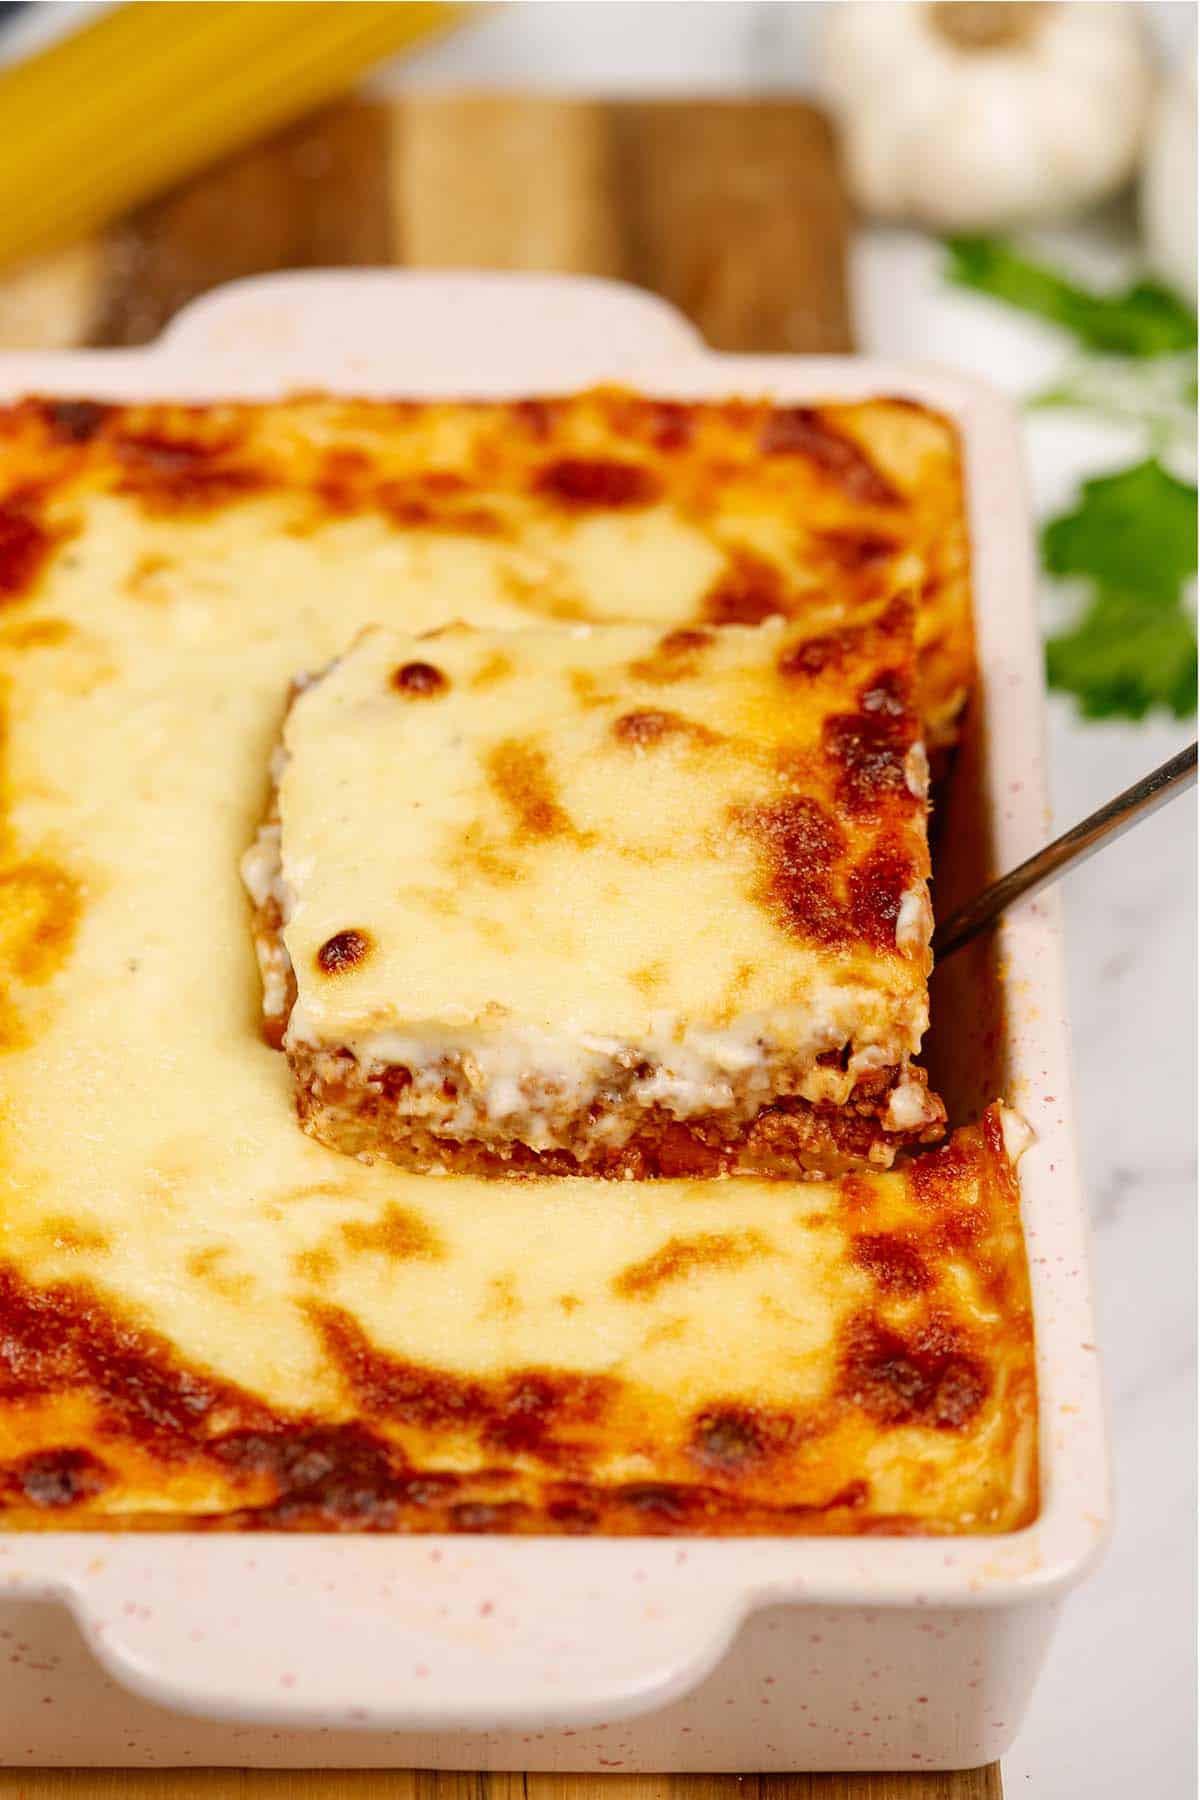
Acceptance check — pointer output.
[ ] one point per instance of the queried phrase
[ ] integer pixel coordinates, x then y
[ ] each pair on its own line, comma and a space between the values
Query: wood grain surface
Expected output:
367, 1784
732, 210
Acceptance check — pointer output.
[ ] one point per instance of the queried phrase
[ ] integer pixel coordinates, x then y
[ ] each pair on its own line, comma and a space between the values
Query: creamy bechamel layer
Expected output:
642, 910
539, 1087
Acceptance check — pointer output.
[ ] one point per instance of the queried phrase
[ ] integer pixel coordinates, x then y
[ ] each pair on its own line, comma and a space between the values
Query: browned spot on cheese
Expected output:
475, 853
675, 657
167, 473
538, 417
316, 1265
671, 425
667, 1331
649, 979
142, 581
544, 593
65, 1338
945, 1180
526, 1412
74, 421
501, 1300
64, 1232
855, 549
587, 689
52, 1479
37, 634
339, 1477
650, 726
482, 1515
25, 546
731, 1000
569, 1302
876, 890
437, 500
520, 776
318, 1190
666, 425
868, 748
931, 1377
799, 845
749, 590
40, 903
893, 1262
685, 641
419, 680
593, 481
959, 1230
680, 1257
344, 950
343, 481
813, 656
804, 431
206, 1266
494, 668
668, 1504
398, 1232
733, 1438
887, 633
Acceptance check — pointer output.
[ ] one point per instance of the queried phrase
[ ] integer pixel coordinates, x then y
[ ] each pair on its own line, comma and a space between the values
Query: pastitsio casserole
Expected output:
206, 1314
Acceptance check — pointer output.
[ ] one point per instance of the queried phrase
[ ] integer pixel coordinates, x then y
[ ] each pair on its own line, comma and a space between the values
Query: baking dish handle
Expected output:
451, 1634
396, 320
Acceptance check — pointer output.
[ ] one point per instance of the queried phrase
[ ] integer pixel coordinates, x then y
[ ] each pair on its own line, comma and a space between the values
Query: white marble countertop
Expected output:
1115, 1706
1115, 1709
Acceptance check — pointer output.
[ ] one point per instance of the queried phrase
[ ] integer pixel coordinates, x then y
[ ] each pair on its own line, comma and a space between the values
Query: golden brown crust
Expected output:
861, 488
932, 1359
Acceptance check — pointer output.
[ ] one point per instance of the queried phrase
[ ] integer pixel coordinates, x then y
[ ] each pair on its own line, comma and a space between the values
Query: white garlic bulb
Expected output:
970, 117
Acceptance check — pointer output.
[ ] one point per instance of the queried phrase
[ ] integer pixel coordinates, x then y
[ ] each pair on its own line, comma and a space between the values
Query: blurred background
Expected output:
1010, 189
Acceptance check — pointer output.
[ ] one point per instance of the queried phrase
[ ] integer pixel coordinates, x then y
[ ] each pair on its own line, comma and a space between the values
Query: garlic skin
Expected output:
973, 117
1168, 192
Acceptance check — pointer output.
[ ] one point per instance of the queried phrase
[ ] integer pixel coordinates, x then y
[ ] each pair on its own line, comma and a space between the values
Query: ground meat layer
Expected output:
344, 1107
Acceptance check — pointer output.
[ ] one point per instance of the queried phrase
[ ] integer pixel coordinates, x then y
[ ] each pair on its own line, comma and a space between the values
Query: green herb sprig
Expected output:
1129, 542
1147, 319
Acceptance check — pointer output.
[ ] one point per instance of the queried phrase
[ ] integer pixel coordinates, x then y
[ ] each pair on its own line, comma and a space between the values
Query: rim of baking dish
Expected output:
487, 1632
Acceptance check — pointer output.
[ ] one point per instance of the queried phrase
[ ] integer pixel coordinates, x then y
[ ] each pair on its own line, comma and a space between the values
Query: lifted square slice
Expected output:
595, 899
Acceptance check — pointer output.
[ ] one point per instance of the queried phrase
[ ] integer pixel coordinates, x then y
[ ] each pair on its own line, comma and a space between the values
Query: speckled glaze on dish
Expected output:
612, 1654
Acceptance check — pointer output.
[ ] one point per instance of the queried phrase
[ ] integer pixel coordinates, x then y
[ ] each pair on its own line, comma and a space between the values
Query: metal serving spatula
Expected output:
1098, 829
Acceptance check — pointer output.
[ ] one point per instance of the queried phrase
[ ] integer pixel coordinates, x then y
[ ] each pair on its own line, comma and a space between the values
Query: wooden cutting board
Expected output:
734, 211
349, 1784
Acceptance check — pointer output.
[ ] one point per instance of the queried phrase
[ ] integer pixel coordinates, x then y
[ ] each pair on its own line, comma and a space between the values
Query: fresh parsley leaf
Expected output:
1124, 658
1132, 533
1146, 320
1131, 537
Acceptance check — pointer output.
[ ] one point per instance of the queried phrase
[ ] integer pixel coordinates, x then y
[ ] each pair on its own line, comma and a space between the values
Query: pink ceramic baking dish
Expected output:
487, 1652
